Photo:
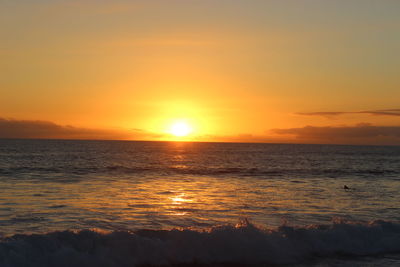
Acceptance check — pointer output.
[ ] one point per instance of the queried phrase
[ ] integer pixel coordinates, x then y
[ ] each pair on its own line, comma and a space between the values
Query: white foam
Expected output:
241, 244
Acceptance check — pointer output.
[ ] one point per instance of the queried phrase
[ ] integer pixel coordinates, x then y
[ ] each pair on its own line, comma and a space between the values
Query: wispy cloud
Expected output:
363, 133
10, 128
383, 112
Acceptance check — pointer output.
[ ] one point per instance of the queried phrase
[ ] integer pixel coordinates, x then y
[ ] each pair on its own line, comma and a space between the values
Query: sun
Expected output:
180, 129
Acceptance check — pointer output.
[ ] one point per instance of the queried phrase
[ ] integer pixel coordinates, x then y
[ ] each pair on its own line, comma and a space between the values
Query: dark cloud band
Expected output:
10, 128
358, 134
384, 112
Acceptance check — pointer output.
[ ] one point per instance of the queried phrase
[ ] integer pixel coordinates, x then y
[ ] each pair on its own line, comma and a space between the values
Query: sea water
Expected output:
121, 203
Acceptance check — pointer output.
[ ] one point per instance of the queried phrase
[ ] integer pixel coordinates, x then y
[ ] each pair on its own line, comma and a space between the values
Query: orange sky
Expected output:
248, 71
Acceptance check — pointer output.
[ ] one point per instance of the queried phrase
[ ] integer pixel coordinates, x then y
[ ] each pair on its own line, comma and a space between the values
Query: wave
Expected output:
224, 244
77, 172
250, 171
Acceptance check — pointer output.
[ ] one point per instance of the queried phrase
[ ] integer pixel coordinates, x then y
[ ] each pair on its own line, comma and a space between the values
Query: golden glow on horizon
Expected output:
179, 120
131, 77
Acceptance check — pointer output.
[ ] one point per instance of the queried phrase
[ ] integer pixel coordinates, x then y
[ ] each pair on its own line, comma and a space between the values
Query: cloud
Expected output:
323, 114
363, 133
10, 128
383, 112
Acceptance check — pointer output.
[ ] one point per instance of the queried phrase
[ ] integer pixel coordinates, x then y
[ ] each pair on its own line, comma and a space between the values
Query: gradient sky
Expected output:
308, 71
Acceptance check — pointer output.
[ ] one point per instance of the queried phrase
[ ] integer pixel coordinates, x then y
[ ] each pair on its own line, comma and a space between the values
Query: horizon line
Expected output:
193, 141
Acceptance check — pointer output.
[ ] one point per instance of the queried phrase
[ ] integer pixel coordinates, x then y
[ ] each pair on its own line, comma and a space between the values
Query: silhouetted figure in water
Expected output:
345, 187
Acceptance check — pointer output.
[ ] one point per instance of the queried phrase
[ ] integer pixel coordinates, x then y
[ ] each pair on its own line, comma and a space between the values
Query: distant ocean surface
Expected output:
121, 203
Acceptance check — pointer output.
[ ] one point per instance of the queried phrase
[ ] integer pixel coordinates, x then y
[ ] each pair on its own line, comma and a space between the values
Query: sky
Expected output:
298, 71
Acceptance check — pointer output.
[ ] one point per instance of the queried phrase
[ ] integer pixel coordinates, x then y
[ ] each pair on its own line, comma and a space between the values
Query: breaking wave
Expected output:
226, 244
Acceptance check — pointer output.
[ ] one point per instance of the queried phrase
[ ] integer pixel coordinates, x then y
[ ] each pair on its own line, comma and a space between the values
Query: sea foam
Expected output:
240, 244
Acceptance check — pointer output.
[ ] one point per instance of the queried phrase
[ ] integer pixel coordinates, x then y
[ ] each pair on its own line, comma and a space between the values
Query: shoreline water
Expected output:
223, 245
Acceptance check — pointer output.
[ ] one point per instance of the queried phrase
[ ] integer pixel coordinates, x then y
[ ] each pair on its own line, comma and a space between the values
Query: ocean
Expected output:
126, 203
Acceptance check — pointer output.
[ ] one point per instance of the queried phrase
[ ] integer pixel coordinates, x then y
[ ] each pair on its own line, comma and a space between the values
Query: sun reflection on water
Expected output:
178, 204
180, 199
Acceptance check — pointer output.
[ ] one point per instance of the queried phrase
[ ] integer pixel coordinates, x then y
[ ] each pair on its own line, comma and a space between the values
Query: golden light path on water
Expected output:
170, 202
131, 200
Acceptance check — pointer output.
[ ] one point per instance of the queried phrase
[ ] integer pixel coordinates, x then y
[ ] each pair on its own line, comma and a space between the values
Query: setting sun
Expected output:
180, 129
